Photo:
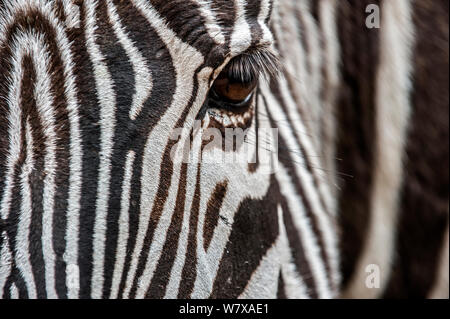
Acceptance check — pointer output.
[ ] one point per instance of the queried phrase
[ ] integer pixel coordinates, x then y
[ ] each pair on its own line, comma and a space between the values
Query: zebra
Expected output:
94, 204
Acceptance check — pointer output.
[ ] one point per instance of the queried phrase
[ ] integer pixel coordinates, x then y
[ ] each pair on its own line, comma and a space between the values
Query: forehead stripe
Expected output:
264, 15
241, 38
213, 28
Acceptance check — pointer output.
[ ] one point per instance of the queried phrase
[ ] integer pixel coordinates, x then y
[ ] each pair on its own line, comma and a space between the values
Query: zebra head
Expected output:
153, 151
187, 148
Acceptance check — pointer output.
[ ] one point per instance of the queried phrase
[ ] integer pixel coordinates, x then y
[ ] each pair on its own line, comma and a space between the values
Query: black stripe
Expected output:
90, 135
289, 163
33, 20
226, 16
164, 186
14, 216
356, 127
213, 213
36, 176
123, 78
425, 195
298, 251
189, 273
281, 294
252, 9
255, 229
163, 271
185, 19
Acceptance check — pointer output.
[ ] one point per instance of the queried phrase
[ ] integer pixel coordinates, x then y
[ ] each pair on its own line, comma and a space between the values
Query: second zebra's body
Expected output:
102, 101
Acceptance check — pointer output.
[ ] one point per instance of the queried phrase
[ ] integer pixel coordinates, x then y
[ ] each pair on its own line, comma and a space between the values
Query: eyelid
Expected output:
253, 64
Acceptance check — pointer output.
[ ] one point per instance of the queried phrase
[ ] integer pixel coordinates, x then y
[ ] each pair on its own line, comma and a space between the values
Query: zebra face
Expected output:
156, 148
119, 165
203, 223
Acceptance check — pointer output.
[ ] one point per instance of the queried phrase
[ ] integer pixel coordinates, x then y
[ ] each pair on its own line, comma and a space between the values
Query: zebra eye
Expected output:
233, 89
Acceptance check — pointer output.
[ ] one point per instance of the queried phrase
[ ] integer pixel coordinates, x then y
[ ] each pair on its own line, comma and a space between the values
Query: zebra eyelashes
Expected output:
234, 88
252, 64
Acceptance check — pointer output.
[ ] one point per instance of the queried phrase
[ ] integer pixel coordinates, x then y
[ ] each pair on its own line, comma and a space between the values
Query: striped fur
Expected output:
93, 206
394, 210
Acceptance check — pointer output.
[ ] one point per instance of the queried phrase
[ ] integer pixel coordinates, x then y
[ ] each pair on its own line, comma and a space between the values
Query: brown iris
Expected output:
233, 90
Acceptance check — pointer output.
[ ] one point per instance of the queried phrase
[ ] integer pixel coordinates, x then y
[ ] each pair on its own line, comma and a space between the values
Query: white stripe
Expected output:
75, 175
294, 285
322, 189
44, 103
211, 24
5, 262
241, 38
29, 44
306, 140
314, 53
308, 238
15, 127
107, 101
143, 81
277, 258
306, 179
242, 184
72, 13
393, 111
32, 45
14, 8
166, 216
192, 171
160, 235
14, 292
286, 31
328, 24
7, 15
180, 53
264, 12
314, 57
121, 250
441, 282
22, 248
311, 248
